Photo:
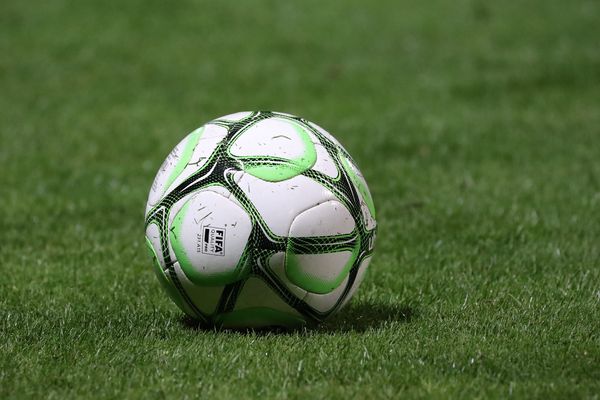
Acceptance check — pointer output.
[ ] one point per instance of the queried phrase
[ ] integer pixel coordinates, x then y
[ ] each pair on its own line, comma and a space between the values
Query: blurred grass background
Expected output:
475, 123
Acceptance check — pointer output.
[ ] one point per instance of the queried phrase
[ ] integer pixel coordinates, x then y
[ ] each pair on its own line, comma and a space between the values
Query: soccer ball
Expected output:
260, 219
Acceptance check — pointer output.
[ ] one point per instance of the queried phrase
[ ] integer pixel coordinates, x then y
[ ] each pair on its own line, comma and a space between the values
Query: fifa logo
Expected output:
213, 241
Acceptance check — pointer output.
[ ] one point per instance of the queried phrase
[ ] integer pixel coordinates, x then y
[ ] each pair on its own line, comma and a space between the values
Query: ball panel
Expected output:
211, 136
165, 281
324, 133
326, 302
273, 137
153, 239
274, 149
280, 202
178, 205
205, 298
318, 273
208, 236
360, 276
325, 163
258, 306
235, 117
366, 201
172, 166
256, 293
220, 190
282, 114
326, 219
277, 266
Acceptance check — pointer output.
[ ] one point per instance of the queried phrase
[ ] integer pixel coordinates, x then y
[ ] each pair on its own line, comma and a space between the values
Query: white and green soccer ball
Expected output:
260, 219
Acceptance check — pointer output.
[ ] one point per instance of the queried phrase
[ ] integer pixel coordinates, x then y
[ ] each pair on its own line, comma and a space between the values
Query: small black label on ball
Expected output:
213, 241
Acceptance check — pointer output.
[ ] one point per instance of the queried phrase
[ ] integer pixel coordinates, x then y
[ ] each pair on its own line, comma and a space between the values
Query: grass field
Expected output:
476, 124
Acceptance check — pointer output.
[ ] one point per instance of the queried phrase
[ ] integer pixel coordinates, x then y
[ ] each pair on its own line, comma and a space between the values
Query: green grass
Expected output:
476, 124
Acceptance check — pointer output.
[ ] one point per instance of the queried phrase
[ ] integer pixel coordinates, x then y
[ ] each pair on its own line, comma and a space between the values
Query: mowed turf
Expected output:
476, 124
